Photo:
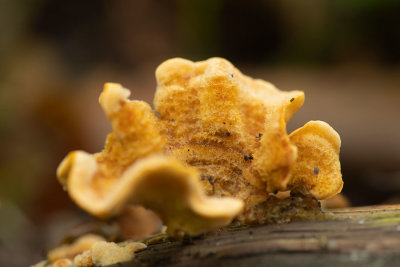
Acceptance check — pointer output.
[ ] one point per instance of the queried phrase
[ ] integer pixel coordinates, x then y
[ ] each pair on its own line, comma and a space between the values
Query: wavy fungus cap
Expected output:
217, 147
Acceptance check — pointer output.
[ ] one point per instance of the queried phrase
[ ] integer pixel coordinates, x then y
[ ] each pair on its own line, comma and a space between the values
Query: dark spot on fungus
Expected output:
188, 149
204, 142
203, 177
292, 99
275, 192
316, 170
210, 180
224, 122
228, 133
231, 75
259, 135
250, 157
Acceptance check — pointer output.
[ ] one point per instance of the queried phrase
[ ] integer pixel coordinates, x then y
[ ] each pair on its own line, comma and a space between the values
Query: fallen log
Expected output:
358, 236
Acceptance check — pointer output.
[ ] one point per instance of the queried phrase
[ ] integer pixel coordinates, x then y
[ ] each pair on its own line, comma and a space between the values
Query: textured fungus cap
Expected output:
317, 168
217, 149
125, 172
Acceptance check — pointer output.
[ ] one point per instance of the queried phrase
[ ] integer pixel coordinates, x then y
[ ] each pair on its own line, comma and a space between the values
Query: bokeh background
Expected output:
55, 57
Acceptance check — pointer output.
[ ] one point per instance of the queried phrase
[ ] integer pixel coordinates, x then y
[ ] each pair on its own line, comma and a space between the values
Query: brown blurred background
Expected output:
56, 55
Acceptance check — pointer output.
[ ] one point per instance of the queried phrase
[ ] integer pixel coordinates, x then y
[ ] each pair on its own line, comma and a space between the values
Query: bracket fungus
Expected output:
217, 148
90, 250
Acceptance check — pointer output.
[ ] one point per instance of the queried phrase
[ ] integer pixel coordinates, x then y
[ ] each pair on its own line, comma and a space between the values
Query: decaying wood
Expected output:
367, 236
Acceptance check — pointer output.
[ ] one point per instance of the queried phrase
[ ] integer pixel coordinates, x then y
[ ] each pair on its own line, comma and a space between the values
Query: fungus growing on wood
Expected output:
317, 168
70, 251
90, 250
208, 116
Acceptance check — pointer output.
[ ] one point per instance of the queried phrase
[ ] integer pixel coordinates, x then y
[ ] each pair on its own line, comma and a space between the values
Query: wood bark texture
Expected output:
366, 236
